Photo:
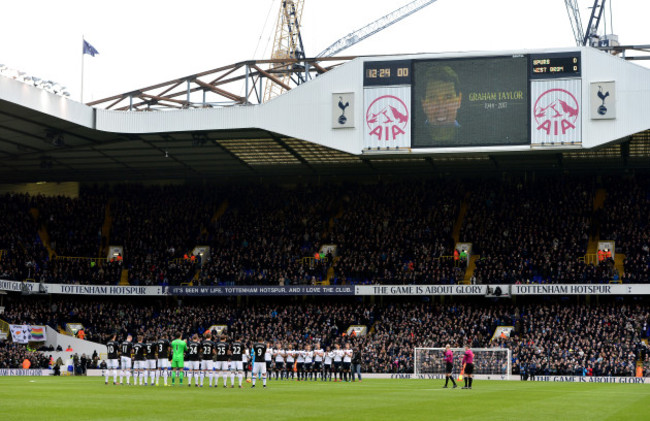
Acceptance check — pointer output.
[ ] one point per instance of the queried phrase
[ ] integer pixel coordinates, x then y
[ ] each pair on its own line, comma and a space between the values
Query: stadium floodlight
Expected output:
492, 362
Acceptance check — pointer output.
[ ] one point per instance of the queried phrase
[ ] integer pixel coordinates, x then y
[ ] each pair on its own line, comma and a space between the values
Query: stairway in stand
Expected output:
124, 278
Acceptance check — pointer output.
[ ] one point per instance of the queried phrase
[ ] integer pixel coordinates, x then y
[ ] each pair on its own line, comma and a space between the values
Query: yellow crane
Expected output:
287, 44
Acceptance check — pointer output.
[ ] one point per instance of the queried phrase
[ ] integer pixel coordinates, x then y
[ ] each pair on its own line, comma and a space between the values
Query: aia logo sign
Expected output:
387, 118
556, 112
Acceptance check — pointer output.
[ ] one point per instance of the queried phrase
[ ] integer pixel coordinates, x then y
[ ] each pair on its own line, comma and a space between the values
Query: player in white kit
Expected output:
290, 359
327, 365
308, 364
338, 363
279, 355
318, 361
347, 362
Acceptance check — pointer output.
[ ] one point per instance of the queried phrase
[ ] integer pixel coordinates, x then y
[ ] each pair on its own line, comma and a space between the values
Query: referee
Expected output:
468, 362
449, 362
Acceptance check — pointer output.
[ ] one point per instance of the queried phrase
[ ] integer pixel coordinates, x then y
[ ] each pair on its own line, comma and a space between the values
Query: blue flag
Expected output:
89, 49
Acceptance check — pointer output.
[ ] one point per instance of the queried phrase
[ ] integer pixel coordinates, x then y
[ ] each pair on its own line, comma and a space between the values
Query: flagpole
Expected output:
81, 99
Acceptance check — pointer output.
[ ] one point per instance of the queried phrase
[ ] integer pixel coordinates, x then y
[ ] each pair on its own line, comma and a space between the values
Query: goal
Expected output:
492, 362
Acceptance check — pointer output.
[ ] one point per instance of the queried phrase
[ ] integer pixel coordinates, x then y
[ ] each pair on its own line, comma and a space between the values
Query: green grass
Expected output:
87, 398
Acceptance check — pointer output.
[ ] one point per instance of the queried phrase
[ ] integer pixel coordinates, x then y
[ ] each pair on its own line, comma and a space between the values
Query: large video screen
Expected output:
470, 102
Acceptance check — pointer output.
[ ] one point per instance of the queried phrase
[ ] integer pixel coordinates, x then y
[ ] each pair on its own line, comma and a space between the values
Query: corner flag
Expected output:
89, 49
462, 372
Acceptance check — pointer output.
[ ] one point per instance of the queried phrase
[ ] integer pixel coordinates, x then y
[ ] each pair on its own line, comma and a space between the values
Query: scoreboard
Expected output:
519, 99
555, 65
381, 73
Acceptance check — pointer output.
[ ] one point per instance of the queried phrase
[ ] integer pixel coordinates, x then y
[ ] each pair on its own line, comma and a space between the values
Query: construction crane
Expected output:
287, 44
590, 36
380, 24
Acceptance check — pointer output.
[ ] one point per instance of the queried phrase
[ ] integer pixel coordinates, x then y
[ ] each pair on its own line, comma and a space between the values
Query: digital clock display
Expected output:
377, 73
554, 65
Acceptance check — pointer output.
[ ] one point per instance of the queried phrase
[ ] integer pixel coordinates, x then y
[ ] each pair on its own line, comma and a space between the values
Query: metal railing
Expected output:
80, 258
589, 259
220, 87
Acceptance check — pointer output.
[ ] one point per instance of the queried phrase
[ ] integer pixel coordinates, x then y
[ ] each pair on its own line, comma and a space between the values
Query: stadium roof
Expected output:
45, 137
28, 153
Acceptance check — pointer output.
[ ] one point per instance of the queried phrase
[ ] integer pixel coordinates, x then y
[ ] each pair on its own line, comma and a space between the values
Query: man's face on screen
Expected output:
441, 103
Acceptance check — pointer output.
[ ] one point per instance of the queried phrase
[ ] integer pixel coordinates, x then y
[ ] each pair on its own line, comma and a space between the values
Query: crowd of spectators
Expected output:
74, 225
266, 234
624, 219
576, 340
553, 338
531, 233
157, 225
13, 355
398, 233
385, 233
22, 251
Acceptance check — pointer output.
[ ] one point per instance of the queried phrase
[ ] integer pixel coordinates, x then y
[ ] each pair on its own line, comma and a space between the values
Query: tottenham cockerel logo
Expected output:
387, 117
556, 112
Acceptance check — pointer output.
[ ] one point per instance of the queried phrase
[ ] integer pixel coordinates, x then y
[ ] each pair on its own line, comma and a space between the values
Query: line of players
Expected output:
288, 363
148, 360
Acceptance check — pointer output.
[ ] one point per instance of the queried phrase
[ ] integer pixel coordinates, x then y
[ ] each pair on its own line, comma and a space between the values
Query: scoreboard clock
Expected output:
554, 65
384, 73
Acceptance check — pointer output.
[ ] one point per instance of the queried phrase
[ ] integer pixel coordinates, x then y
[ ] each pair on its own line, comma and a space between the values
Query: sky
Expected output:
142, 42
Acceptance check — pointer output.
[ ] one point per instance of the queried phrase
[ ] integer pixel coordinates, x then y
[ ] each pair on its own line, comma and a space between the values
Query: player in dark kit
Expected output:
162, 348
207, 351
126, 348
113, 350
193, 360
139, 361
449, 367
468, 362
259, 365
236, 364
222, 361
150, 355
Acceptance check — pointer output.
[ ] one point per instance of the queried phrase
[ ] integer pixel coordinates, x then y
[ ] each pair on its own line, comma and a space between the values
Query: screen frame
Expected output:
414, 100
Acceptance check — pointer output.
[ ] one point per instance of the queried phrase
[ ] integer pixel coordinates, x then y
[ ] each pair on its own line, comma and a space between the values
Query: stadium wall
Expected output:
564, 379
632, 86
304, 113
79, 346
22, 372
67, 189
409, 376
39, 101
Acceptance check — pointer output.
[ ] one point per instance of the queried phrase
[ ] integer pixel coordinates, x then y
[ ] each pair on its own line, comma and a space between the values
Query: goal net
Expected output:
430, 362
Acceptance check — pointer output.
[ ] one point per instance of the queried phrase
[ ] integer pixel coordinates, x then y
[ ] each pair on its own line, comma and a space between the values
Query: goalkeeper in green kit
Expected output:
178, 357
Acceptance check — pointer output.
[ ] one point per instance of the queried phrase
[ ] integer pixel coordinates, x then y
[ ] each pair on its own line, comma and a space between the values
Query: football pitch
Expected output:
87, 398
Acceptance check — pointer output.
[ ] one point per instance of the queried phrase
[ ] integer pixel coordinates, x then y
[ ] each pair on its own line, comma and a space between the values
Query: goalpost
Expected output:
495, 362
